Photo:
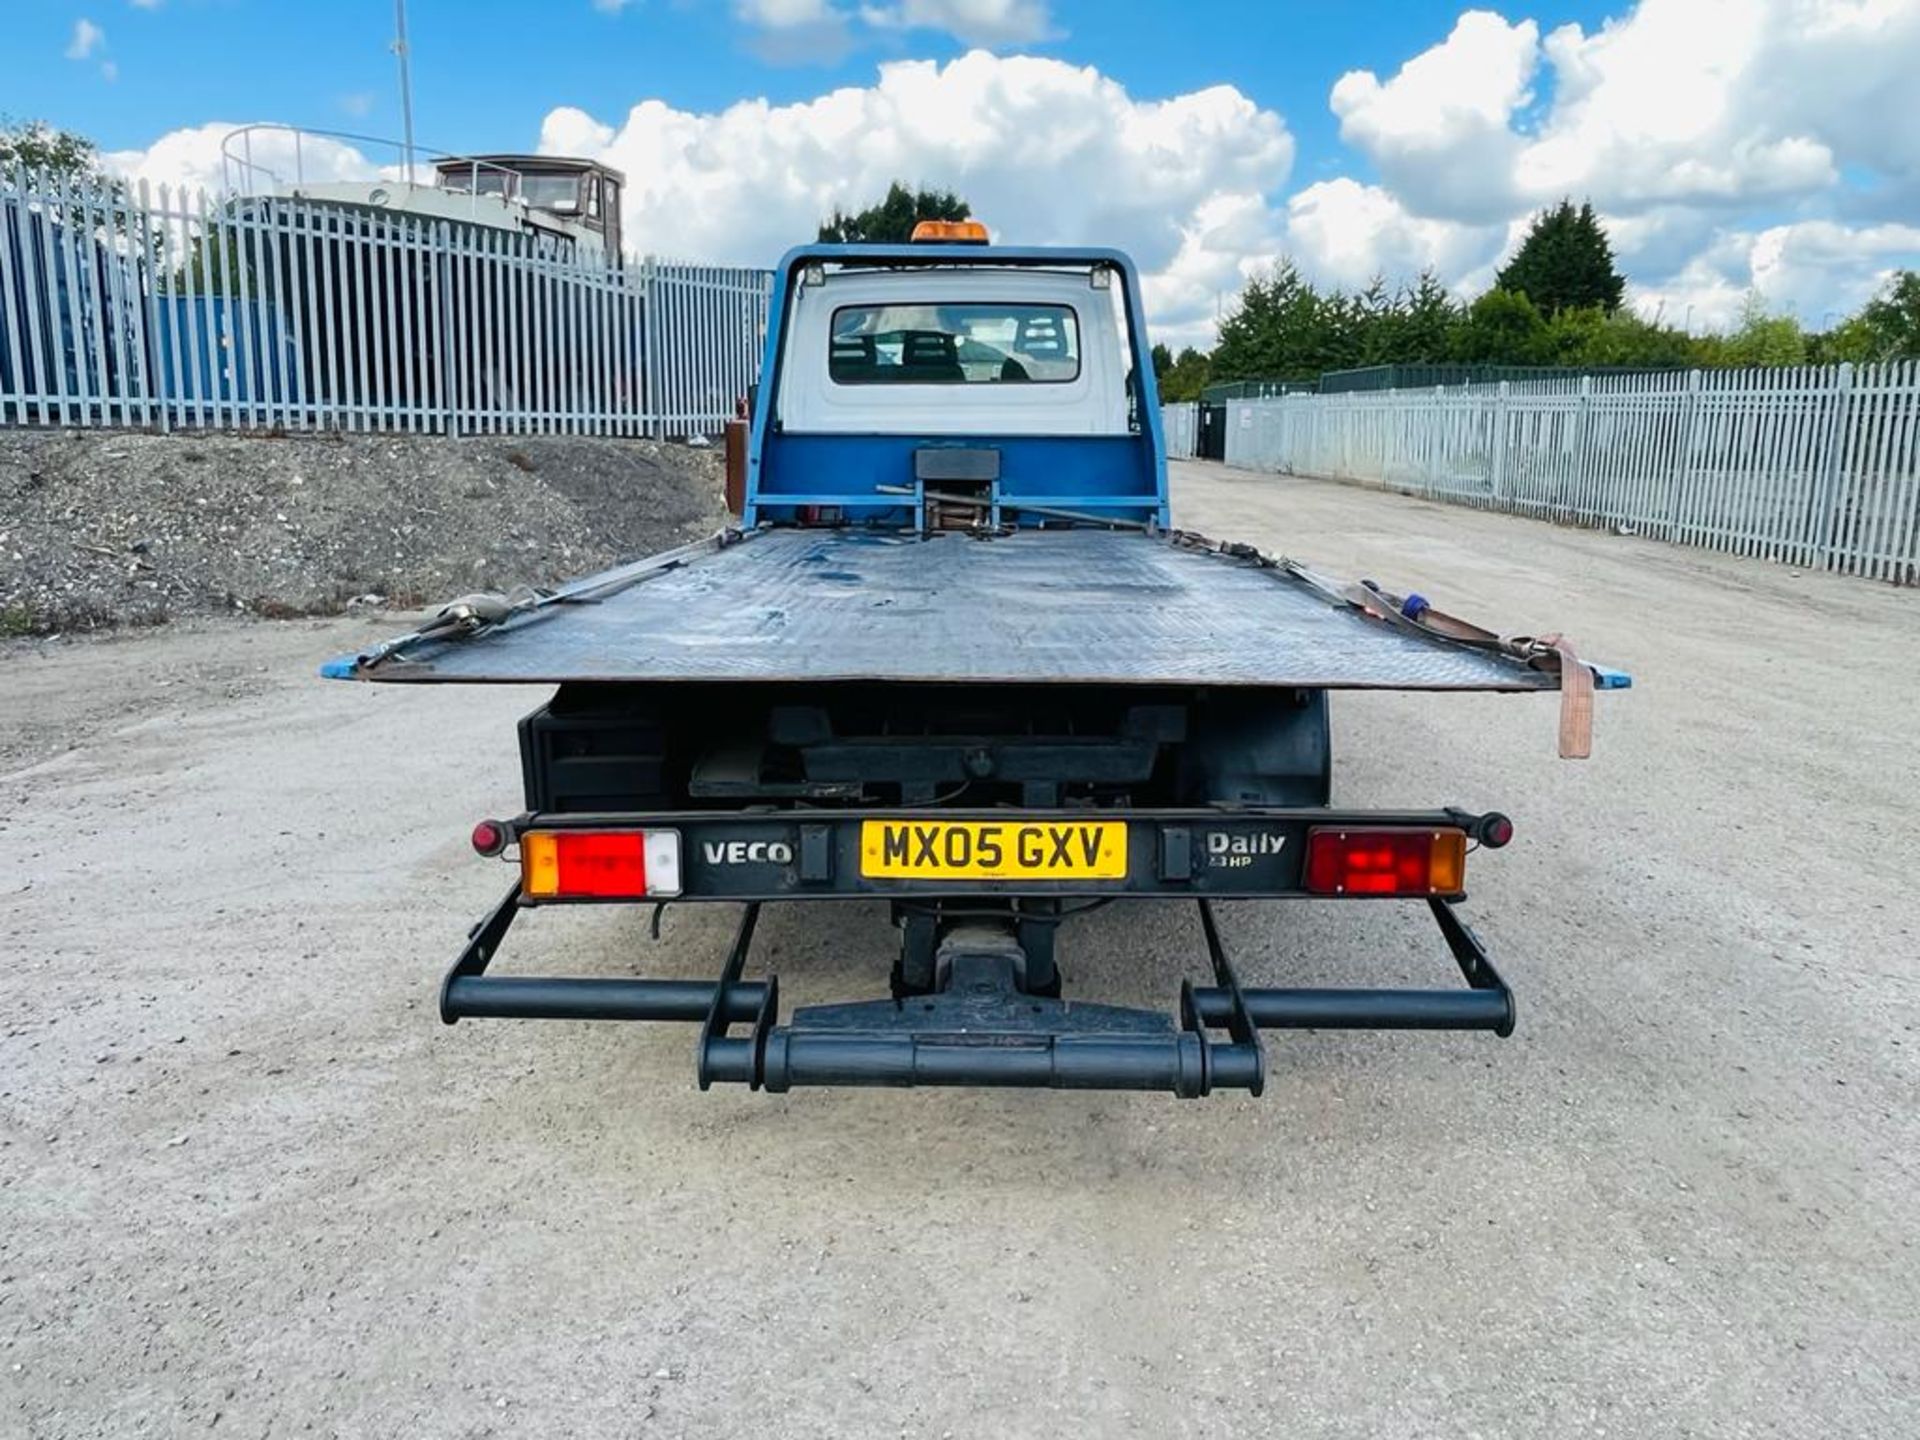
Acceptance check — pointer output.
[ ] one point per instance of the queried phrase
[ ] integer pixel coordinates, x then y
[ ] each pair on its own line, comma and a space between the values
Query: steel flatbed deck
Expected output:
1067, 606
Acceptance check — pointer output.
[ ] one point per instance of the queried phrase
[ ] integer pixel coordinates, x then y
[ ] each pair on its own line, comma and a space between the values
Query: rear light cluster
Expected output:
1386, 862
599, 864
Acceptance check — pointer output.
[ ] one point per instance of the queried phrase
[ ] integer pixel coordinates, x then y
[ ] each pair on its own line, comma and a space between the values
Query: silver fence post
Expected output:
1834, 463
1584, 424
650, 352
440, 294
139, 212
1499, 445
1682, 465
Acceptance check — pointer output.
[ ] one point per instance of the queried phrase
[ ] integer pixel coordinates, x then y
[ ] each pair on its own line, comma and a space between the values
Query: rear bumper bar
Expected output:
982, 1030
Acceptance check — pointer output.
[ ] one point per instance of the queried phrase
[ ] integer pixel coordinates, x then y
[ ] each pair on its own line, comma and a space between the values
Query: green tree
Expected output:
1429, 315
1762, 338
1284, 329
1889, 324
1186, 377
1413, 326
1887, 327
1565, 262
891, 222
1852, 339
1504, 327
1589, 338
55, 154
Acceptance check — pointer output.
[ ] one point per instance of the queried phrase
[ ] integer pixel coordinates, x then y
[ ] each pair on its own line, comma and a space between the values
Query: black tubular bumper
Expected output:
981, 1030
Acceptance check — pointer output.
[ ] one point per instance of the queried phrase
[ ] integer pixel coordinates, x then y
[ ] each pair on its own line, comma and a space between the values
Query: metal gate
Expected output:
1213, 433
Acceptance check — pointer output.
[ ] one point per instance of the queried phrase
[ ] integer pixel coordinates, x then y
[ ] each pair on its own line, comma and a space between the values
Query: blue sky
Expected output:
1735, 147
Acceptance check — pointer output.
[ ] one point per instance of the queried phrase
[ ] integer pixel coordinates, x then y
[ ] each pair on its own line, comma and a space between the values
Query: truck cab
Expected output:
1014, 377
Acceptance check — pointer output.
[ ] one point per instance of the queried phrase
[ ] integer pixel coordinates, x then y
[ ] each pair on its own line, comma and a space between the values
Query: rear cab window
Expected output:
953, 343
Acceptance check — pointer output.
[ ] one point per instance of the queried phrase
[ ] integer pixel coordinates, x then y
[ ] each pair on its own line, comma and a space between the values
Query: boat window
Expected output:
970, 343
475, 180
559, 193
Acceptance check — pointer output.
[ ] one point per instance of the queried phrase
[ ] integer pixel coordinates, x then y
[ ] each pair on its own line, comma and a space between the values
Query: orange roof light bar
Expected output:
950, 232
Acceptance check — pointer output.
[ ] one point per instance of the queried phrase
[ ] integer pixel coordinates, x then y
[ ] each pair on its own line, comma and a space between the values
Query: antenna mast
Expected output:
406, 84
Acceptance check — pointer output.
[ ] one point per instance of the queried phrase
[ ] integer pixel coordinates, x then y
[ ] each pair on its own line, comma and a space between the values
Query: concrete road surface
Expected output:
250, 1186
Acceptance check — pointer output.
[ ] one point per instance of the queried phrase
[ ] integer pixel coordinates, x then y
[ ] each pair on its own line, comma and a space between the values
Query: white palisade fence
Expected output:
1180, 424
1816, 466
169, 310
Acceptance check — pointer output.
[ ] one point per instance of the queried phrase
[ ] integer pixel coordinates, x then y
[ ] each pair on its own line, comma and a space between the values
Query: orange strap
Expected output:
1576, 700
1576, 679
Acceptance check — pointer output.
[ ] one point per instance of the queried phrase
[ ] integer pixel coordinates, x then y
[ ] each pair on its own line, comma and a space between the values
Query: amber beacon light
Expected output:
950, 232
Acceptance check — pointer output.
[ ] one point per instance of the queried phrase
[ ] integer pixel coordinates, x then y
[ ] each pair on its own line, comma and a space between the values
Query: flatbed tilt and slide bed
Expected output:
954, 657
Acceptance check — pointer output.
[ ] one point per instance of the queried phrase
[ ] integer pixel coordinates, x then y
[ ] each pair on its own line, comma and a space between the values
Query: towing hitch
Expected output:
982, 1028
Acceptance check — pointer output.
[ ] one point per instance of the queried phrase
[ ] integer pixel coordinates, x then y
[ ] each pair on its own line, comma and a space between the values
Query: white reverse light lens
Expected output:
663, 862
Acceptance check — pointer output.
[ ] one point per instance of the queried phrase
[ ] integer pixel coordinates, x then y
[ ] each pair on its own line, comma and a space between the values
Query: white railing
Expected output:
1813, 466
1180, 424
244, 173
168, 310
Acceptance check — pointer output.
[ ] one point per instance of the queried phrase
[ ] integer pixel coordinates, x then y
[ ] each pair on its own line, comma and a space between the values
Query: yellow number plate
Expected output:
993, 850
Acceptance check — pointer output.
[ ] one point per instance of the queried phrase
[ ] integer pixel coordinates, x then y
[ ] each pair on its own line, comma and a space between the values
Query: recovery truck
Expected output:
955, 658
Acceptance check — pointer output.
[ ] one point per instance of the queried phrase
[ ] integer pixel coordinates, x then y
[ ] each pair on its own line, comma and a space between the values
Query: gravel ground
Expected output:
100, 529
247, 1181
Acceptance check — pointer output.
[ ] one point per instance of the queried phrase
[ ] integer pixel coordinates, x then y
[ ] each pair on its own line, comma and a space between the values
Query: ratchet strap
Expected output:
1542, 652
1415, 615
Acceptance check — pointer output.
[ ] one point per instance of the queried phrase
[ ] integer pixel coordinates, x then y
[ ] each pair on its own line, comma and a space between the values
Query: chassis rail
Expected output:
982, 1030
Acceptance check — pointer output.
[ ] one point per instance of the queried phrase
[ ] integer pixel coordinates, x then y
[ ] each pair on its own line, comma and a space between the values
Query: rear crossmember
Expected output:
981, 1029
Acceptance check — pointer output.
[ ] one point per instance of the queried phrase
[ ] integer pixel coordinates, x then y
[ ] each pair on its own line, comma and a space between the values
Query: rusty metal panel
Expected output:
1063, 606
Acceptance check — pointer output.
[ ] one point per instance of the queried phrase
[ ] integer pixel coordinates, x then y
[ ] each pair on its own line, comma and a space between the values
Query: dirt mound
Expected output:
116, 528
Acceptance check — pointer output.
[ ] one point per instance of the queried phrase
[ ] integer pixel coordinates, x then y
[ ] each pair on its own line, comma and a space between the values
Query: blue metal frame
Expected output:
1067, 472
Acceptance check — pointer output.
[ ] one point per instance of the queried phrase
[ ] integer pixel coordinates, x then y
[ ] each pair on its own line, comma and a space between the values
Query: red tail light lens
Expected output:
1386, 862
599, 864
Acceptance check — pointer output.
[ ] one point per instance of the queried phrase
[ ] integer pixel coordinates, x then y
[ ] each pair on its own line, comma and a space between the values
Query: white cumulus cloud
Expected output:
200, 157
1729, 146
1227, 239
1713, 135
1439, 130
1343, 233
1817, 269
1045, 152
1668, 105
973, 22
1715, 102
